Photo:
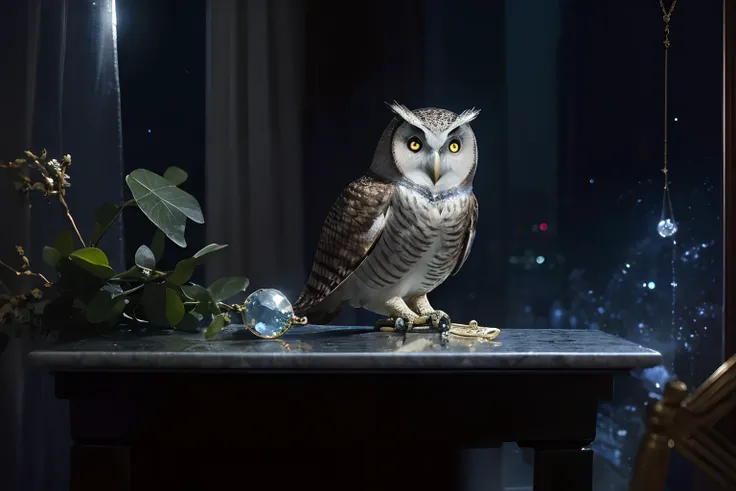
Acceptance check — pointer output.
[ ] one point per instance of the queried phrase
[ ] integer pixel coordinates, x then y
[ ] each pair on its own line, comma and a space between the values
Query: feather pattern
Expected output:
353, 225
423, 243
469, 235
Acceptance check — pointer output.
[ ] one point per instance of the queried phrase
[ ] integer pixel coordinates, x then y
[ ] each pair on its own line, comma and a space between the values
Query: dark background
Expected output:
570, 135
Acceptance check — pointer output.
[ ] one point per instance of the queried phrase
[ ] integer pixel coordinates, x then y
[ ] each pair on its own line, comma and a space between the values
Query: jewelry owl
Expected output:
398, 232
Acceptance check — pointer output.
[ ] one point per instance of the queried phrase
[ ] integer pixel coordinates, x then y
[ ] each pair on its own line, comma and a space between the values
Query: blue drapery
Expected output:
72, 106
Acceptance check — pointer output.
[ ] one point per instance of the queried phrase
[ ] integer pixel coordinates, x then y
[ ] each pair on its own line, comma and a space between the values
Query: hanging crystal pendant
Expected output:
667, 228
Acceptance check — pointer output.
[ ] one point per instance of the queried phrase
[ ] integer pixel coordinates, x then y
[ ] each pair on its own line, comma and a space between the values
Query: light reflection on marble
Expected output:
339, 347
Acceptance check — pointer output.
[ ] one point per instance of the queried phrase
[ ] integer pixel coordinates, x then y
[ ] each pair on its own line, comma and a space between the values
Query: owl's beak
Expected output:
436, 168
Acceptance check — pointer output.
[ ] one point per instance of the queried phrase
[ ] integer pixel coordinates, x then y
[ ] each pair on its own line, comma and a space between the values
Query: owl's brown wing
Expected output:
469, 235
352, 227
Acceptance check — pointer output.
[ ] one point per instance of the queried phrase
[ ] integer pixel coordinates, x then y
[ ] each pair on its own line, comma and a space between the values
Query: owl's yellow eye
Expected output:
414, 144
454, 146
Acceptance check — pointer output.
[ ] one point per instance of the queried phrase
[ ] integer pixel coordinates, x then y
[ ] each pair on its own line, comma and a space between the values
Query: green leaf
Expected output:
144, 258
94, 261
162, 305
185, 268
209, 249
188, 323
75, 280
134, 273
167, 206
225, 288
215, 326
103, 218
207, 303
50, 256
158, 244
176, 175
64, 243
103, 307
183, 271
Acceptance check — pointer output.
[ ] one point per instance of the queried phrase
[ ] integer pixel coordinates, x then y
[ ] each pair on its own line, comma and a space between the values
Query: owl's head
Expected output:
433, 148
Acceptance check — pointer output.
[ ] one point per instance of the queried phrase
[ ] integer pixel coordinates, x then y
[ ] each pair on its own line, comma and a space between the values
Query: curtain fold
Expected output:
254, 141
68, 101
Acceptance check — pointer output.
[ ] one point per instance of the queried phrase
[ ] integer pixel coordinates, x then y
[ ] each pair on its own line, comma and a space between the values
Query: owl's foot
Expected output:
437, 319
440, 320
402, 317
393, 324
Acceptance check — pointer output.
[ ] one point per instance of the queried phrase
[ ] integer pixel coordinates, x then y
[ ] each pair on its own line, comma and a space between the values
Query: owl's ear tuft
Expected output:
464, 117
405, 113
467, 116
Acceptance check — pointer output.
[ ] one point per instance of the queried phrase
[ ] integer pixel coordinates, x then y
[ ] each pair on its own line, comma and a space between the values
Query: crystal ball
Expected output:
666, 228
268, 312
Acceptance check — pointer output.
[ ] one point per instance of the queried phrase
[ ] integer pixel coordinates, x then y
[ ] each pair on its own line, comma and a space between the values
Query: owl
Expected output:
399, 231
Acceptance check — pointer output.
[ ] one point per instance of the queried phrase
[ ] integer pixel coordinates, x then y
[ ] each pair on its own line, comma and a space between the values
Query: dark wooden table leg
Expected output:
563, 466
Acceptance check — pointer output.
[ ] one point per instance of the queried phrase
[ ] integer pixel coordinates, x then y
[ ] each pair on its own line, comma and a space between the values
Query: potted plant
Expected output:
86, 295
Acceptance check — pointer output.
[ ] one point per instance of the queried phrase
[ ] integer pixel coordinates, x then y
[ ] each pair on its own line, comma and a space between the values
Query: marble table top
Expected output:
342, 348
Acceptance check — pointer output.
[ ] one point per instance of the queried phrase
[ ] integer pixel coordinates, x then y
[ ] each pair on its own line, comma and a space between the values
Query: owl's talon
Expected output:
393, 324
440, 321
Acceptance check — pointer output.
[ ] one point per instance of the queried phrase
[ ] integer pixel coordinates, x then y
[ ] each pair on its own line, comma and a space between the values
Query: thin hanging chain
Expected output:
666, 17
667, 213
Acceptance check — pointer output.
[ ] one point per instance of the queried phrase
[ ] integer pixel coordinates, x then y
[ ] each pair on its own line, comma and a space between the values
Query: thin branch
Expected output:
26, 273
150, 280
71, 220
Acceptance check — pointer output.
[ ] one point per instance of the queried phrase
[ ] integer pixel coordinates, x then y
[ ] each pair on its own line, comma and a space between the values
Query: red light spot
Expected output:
543, 226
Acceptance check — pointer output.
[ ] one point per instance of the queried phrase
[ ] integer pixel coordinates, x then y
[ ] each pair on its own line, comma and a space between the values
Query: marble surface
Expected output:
344, 348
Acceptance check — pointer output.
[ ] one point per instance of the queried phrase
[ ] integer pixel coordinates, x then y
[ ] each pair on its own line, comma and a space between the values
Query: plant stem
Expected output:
71, 220
120, 211
28, 273
138, 287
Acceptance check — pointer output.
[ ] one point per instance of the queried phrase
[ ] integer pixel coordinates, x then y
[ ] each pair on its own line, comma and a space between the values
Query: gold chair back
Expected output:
686, 423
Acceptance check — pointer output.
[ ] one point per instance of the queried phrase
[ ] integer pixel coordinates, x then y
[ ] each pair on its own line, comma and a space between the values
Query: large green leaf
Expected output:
158, 244
103, 306
185, 268
167, 206
75, 280
162, 305
225, 288
144, 258
207, 303
64, 243
183, 271
103, 218
215, 326
176, 175
94, 261
50, 256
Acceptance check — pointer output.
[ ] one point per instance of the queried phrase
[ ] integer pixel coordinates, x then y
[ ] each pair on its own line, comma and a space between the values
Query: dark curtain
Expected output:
65, 99
254, 141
